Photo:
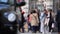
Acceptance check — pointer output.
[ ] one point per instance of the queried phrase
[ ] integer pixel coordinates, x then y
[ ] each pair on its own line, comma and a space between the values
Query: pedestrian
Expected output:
58, 20
34, 21
46, 17
51, 21
29, 25
21, 23
46, 27
42, 20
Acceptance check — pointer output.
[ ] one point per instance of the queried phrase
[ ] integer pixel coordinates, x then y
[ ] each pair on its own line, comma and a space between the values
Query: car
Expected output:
8, 18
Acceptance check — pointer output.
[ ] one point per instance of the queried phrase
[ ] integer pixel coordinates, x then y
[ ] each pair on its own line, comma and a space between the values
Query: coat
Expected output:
58, 20
34, 19
42, 20
51, 20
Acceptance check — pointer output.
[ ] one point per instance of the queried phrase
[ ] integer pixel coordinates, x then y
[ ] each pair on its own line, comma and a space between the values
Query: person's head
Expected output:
50, 10
33, 11
45, 11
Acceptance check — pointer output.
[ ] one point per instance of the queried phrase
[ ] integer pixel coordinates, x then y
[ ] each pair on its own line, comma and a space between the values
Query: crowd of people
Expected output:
36, 22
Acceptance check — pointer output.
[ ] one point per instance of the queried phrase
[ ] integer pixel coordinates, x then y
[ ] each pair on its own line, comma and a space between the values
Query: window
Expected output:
11, 1
7, 2
4, 1
59, 4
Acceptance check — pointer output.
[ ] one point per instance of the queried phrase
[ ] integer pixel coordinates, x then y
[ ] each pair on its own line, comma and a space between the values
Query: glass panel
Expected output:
59, 3
11, 1
4, 1
7, 2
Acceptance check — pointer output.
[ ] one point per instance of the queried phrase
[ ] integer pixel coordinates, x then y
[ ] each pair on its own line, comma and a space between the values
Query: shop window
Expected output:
11, 2
3, 1
59, 3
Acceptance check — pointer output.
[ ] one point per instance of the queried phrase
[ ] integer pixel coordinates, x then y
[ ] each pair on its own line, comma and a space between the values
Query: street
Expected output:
46, 32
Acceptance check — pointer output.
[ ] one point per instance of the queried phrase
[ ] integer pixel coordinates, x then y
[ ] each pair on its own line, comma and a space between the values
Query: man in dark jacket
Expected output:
58, 20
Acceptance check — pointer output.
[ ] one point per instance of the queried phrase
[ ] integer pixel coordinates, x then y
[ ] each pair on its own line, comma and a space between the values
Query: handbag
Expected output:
53, 25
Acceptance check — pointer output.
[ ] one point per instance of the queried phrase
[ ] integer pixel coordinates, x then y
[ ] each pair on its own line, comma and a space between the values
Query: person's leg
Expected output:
21, 26
49, 28
29, 26
58, 28
42, 27
37, 28
22, 29
33, 29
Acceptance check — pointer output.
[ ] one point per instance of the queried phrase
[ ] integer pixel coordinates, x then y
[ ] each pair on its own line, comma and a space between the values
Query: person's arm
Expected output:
29, 18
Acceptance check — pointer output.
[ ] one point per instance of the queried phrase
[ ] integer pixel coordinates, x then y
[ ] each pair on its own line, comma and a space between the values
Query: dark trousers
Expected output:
34, 28
29, 26
20, 25
50, 27
58, 26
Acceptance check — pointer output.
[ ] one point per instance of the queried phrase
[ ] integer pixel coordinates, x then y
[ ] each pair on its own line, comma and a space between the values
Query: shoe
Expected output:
40, 32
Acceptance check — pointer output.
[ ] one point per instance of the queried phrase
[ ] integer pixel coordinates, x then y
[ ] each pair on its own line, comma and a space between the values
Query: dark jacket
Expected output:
51, 19
58, 20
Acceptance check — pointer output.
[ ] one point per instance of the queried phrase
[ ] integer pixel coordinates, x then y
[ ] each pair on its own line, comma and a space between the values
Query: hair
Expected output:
45, 10
28, 15
50, 10
33, 11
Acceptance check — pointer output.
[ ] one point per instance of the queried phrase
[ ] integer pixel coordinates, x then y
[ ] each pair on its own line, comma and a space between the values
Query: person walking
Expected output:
42, 20
34, 21
58, 20
51, 21
29, 24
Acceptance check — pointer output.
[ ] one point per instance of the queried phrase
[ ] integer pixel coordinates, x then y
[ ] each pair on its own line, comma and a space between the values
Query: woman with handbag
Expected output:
34, 21
51, 21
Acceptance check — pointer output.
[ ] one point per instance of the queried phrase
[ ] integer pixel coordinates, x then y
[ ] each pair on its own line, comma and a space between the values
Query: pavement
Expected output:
46, 31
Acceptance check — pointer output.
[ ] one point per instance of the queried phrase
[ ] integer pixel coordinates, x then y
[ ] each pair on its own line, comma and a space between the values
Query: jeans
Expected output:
34, 29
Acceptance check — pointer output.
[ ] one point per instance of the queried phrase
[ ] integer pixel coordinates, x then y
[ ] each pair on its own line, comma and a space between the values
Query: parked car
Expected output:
8, 18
